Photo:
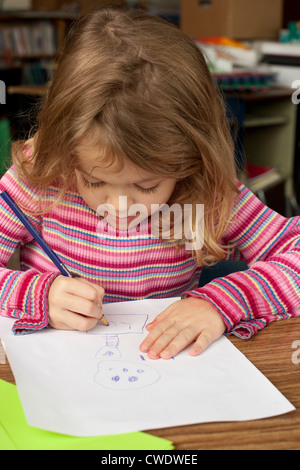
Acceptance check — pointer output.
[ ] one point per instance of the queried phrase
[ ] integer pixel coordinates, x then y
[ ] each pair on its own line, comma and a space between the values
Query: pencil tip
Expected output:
104, 321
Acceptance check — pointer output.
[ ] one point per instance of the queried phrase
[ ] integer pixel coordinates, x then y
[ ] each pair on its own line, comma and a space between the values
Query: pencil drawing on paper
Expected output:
121, 324
113, 371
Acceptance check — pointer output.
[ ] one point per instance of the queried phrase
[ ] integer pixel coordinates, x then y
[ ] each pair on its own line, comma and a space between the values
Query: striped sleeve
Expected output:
23, 295
270, 289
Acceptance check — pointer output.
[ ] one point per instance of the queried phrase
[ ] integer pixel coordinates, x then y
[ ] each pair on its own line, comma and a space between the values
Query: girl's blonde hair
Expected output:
140, 88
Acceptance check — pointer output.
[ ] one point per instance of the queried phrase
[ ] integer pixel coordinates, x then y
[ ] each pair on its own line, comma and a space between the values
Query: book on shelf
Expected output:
260, 177
16, 5
36, 39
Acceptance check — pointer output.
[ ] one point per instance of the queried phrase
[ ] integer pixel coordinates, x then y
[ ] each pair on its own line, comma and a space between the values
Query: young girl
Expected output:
134, 113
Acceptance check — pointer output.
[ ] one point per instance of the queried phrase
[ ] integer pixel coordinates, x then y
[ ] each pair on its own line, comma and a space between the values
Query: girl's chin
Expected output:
122, 223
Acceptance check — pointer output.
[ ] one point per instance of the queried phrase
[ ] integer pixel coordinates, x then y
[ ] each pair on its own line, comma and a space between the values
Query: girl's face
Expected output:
100, 185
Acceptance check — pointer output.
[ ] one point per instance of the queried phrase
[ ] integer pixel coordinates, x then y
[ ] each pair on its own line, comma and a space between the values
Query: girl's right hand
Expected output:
74, 304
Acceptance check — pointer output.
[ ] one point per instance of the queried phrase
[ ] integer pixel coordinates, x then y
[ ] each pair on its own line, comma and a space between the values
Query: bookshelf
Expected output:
30, 42
268, 125
270, 133
32, 36
38, 28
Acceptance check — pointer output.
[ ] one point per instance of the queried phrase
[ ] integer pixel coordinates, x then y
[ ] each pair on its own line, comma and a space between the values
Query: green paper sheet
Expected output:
16, 434
5, 442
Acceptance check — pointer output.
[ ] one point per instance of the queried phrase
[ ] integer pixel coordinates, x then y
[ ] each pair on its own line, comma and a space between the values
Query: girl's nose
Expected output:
119, 200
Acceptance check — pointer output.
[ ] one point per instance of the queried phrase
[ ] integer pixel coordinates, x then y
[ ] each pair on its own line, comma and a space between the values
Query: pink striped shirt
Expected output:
141, 266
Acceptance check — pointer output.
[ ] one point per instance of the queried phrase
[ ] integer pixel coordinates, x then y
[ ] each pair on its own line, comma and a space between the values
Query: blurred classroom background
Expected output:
253, 51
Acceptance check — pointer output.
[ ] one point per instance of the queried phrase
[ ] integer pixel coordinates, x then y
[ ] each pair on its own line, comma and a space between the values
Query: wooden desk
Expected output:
271, 352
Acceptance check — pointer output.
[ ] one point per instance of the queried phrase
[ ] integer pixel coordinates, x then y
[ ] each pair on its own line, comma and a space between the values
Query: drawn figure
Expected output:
125, 375
116, 374
121, 325
110, 350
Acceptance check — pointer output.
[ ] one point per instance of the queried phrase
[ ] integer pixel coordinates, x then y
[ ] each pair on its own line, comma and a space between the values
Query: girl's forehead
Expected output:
92, 155
114, 168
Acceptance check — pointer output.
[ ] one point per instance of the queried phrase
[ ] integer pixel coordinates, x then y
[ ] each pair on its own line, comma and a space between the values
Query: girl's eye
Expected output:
146, 190
88, 184
99, 184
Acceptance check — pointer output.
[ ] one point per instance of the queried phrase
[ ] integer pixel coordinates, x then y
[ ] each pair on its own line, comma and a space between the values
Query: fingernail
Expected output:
195, 352
165, 354
152, 353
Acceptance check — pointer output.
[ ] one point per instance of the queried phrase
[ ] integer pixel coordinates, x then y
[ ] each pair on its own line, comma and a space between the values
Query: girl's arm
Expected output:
23, 295
270, 289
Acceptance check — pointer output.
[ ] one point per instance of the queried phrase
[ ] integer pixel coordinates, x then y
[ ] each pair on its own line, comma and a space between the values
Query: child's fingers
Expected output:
98, 289
81, 323
171, 343
159, 318
74, 304
82, 306
80, 288
67, 320
152, 325
156, 332
160, 343
183, 323
203, 341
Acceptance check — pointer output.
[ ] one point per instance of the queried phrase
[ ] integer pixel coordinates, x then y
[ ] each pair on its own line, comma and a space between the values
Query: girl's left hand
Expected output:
187, 321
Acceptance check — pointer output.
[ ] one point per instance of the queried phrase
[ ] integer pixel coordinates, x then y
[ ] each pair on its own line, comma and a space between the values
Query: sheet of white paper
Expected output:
97, 383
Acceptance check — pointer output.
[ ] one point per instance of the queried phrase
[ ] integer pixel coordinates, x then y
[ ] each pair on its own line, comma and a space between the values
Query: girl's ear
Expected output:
28, 149
28, 153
